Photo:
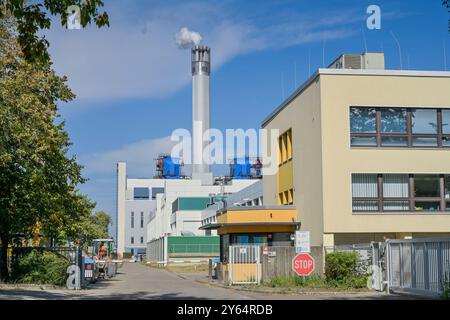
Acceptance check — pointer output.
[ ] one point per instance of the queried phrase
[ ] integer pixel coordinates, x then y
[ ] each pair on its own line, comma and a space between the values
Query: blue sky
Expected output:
133, 83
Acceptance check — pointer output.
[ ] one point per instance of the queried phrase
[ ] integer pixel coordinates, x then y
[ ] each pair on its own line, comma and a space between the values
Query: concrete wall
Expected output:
304, 117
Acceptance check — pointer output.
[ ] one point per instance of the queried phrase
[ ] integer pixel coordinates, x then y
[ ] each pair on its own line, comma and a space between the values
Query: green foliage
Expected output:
316, 282
95, 226
33, 16
38, 179
341, 266
446, 287
303, 282
40, 268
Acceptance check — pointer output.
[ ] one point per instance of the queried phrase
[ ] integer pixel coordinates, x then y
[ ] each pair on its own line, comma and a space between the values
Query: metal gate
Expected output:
245, 265
418, 265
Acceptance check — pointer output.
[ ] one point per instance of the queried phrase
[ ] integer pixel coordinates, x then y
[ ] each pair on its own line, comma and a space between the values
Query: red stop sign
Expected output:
303, 264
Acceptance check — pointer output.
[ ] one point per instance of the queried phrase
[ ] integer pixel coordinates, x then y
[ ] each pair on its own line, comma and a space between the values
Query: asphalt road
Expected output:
136, 281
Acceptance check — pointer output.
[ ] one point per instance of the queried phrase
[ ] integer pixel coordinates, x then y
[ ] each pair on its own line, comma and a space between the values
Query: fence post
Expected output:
230, 265
426, 266
440, 266
388, 266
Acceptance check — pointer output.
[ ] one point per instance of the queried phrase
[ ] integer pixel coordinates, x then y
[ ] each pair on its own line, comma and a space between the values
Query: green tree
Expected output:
38, 179
96, 227
35, 15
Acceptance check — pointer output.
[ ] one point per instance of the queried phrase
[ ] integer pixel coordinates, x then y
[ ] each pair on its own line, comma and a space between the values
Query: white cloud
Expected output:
139, 157
137, 57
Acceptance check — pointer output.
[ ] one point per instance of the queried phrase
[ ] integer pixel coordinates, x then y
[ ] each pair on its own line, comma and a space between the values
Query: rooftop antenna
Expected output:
295, 75
399, 49
445, 55
309, 61
364, 38
282, 86
323, 50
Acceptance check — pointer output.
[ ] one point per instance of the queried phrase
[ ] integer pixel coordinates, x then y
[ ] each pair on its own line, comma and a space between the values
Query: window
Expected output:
427, 192
132, 240
400, 192
285, 147
155, 191
142, 240
399, 127
286, 197
132, 219
396, 192
365, 192
363, 121
424, 127
142, 219
394, 127
141, 194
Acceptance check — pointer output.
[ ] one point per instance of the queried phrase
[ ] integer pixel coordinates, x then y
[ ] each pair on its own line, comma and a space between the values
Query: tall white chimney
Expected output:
201, 69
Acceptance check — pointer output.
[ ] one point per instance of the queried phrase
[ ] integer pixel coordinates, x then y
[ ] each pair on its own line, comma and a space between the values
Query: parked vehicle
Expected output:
105, 258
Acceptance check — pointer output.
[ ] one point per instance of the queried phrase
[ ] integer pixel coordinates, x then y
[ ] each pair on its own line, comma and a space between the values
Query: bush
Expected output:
341, 266
40, 268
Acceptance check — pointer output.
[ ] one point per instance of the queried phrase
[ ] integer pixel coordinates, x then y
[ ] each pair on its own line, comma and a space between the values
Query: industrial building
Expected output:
169, 206
364, 153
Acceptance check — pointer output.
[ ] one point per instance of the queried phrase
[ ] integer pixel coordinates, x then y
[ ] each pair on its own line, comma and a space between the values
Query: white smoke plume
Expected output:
186, 38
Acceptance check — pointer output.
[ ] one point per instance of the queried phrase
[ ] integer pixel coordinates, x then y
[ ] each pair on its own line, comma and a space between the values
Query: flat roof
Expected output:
246, 208
245, 224
352, 72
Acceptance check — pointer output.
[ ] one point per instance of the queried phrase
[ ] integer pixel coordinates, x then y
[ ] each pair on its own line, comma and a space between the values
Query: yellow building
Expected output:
364, 153
254, 225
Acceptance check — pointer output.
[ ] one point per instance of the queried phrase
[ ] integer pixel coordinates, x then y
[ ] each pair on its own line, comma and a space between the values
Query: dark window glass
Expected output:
424, 121
132, 219
393, 120
363, 141
446, 141
426, 186
393, 141
362, 120
142, 220
132, 240
424, 142
155, 191
446, 121
427, 206
142, 239
447, 187
141, 194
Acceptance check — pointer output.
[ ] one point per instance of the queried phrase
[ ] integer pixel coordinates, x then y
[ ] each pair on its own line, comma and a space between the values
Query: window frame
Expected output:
409, 135
412, 199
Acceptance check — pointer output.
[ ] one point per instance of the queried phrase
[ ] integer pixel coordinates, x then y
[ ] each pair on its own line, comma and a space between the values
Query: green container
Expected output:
194, 244
199, 203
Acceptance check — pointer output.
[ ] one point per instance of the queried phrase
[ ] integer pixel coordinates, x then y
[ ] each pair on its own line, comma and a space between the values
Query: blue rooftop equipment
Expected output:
168, 167
240, 168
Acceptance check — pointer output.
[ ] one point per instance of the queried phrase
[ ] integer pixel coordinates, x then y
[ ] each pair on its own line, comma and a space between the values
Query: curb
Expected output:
30, 286
236, 288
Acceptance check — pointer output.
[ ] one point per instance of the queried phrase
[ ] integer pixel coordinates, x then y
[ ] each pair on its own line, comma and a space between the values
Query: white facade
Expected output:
251, 195
156, 210
134, 210
165, 222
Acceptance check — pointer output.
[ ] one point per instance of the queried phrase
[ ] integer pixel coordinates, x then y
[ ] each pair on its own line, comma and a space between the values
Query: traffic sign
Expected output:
302, 242
303, 264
